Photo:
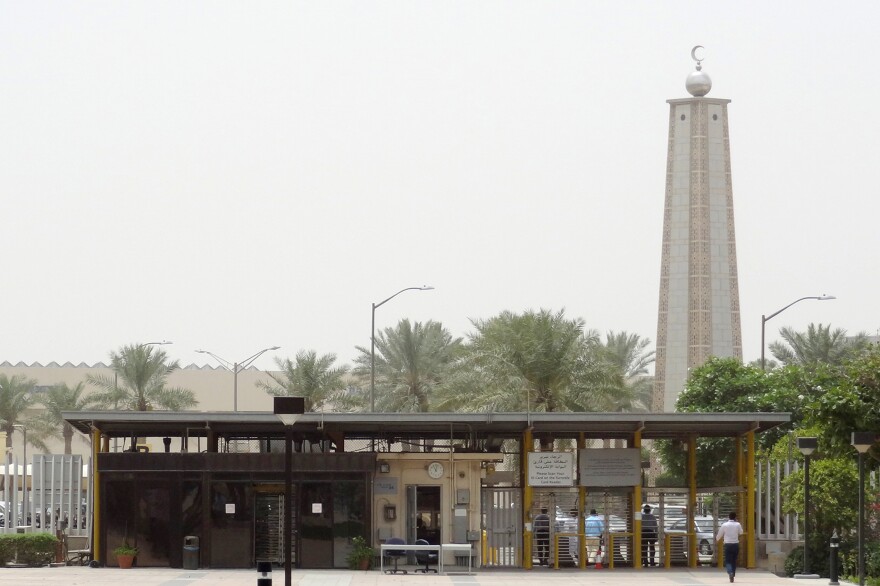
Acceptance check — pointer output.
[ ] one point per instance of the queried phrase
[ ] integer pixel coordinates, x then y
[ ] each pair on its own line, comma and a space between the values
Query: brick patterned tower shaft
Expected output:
699, 292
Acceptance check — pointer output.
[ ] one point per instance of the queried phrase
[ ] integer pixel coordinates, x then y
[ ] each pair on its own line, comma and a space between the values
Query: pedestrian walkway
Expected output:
84, 576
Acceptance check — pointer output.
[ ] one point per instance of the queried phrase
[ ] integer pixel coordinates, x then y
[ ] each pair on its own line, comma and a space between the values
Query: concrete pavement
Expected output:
82, 576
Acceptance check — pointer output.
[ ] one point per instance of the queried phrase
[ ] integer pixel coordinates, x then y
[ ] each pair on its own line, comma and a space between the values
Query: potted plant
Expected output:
361, 555
125, 554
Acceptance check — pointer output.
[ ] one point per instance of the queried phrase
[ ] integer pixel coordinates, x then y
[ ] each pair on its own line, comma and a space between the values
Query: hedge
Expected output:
32, 549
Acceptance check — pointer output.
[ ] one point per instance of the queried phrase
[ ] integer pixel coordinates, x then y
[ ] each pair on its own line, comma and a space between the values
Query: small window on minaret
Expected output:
682, 116
714, 116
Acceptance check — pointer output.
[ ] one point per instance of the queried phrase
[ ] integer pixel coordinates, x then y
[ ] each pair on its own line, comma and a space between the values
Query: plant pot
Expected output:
125, 561
364, 564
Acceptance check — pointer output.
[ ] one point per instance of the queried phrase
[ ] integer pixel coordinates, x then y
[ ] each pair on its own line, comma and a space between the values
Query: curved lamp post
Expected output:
373, 341
235, 368
862, 441
765, 319
807, 445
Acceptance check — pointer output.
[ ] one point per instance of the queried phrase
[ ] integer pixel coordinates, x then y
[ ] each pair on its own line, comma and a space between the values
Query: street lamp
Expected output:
24, 508
807, 445
288, 410
373, 341
235, 368
862, 441
765, 319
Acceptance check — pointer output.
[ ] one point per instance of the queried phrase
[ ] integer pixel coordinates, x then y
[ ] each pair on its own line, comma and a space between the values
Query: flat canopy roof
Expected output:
425, 425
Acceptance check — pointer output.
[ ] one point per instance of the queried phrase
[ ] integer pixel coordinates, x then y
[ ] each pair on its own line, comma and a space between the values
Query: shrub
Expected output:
34, 549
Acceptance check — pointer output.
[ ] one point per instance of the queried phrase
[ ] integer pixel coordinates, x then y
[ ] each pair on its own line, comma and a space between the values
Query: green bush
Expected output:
794, 563
33, 549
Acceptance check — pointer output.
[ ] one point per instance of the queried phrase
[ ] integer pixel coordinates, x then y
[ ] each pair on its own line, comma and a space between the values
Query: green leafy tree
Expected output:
412, 361
818, 345
726, 385
849, 400
141, 372
310, 376
58, 398
16, 396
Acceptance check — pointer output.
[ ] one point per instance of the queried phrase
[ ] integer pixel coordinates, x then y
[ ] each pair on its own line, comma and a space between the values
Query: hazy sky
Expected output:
237, 175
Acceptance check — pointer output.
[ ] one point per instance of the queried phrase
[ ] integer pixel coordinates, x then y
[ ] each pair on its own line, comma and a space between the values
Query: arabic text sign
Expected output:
551, 469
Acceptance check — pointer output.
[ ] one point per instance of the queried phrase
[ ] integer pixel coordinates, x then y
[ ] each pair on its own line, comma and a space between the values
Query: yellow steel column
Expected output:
637, 508
582, 506
750, 528
528, 446
96, 496
692, 500
740, 478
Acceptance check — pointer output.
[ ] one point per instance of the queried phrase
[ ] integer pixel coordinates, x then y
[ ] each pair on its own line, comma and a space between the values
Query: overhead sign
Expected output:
551, 469
610, 467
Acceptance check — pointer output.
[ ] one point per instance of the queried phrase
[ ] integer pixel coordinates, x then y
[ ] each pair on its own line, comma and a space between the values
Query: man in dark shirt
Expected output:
649, 537
542, 535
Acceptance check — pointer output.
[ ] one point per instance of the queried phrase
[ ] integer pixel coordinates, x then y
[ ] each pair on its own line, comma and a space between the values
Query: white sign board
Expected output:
610, 467
551, 469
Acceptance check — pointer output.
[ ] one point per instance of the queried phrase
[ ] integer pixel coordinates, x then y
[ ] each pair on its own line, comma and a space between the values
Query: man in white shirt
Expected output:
729, 532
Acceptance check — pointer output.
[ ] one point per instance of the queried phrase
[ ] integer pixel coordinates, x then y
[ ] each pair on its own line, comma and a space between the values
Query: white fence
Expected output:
52, 493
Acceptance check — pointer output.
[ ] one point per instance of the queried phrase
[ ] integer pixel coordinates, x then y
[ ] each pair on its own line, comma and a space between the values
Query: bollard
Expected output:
265, 570
835, 547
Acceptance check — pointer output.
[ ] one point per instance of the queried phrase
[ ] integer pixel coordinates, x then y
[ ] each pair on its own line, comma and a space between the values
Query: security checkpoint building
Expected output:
215, 481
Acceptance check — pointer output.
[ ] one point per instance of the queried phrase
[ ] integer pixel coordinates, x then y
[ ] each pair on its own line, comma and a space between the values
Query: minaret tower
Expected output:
699, 292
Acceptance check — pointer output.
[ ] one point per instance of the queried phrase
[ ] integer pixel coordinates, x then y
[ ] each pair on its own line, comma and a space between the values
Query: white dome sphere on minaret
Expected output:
698, 83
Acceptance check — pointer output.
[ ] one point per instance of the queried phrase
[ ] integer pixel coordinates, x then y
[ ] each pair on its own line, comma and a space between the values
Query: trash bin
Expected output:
190, 552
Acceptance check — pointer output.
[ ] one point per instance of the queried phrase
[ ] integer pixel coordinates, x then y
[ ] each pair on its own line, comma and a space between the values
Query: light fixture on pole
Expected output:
373, 341
765, 319
862, 442
807, 445
236, 367
288, 410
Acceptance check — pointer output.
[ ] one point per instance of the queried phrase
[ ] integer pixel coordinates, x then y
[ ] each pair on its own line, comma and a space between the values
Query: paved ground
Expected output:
538, 577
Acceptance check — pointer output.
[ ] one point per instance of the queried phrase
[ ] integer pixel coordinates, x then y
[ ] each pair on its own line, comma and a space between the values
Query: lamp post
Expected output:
765, 319
24, 508
288, 410
862, 442
373, 341
235, 368
807, 445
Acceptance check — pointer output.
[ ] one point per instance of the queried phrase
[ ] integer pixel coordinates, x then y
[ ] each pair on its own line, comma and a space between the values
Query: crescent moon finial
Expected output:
694, 55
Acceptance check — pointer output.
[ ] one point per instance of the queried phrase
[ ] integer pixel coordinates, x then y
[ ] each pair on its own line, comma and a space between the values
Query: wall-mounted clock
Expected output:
435, 470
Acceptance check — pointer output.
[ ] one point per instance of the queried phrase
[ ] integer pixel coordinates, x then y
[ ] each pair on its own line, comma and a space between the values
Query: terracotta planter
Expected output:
125, 561
364, 564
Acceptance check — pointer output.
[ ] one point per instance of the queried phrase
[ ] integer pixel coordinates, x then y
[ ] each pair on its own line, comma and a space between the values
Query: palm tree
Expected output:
819, 344
412, 361
629, 355
536, 361
312, 377
58, 398
139, 382
16, 396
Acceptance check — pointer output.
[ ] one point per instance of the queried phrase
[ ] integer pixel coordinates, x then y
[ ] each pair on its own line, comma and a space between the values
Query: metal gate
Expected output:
502, 522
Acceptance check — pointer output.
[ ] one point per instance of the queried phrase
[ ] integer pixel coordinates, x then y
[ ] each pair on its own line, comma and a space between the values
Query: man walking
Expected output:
729, 532
542, 535
649, 537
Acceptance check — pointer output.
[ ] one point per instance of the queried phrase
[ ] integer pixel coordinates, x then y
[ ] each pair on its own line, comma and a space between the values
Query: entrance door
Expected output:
316, 525
423, 518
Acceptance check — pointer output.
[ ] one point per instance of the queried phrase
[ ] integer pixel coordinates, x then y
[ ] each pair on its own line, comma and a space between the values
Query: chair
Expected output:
426, 557
395, 554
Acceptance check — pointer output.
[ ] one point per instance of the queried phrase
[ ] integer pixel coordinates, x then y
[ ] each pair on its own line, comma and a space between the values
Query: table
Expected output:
440, 549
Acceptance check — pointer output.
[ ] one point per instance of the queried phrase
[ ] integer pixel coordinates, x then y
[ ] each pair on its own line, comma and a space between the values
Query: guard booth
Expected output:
208, 490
